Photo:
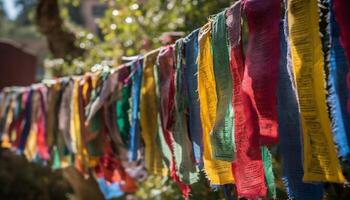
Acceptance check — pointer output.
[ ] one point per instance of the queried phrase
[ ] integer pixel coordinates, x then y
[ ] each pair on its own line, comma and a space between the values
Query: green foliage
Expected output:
2, 12
137, 25
130, 27
10, 29
26, 15
22, 27
158, 188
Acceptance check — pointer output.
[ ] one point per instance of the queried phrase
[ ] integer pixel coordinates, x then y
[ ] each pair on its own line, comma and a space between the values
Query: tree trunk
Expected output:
61, 45
83, 188
50, 24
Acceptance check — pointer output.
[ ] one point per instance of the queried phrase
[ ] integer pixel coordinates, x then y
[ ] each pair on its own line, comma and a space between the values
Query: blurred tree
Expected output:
21, 28
2, 12
25, 15
20, 179
60, 40
127, 27
138, 24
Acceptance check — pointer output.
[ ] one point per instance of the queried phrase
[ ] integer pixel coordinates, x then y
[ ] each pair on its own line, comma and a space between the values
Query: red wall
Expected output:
17, 68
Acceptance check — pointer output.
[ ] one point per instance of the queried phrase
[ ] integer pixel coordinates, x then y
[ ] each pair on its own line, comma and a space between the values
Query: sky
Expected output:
10, 8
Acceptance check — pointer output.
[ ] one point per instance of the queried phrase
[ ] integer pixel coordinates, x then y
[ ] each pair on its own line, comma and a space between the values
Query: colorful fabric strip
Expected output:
27, 122
135, 123
191, 70
123, 105
43, 149
7, 115
260, 76
218, 172
11, 118
161, 141
64, 115
3, 111
342, 15
320, 159
74, 118
290, 130
248, 167
52, 119
167, 95
269, 176
31, 147
109, 116
148, 116
222, 139
184, 159
109, 190
338, 92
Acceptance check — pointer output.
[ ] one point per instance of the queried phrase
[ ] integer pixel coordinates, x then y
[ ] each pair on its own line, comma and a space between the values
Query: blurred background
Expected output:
65, 37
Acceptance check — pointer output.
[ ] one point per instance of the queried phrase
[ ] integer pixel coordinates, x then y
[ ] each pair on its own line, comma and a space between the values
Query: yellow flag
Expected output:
73, 116
218, 172
30, 149
148, 113
320, 159
5, 139
31, 144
